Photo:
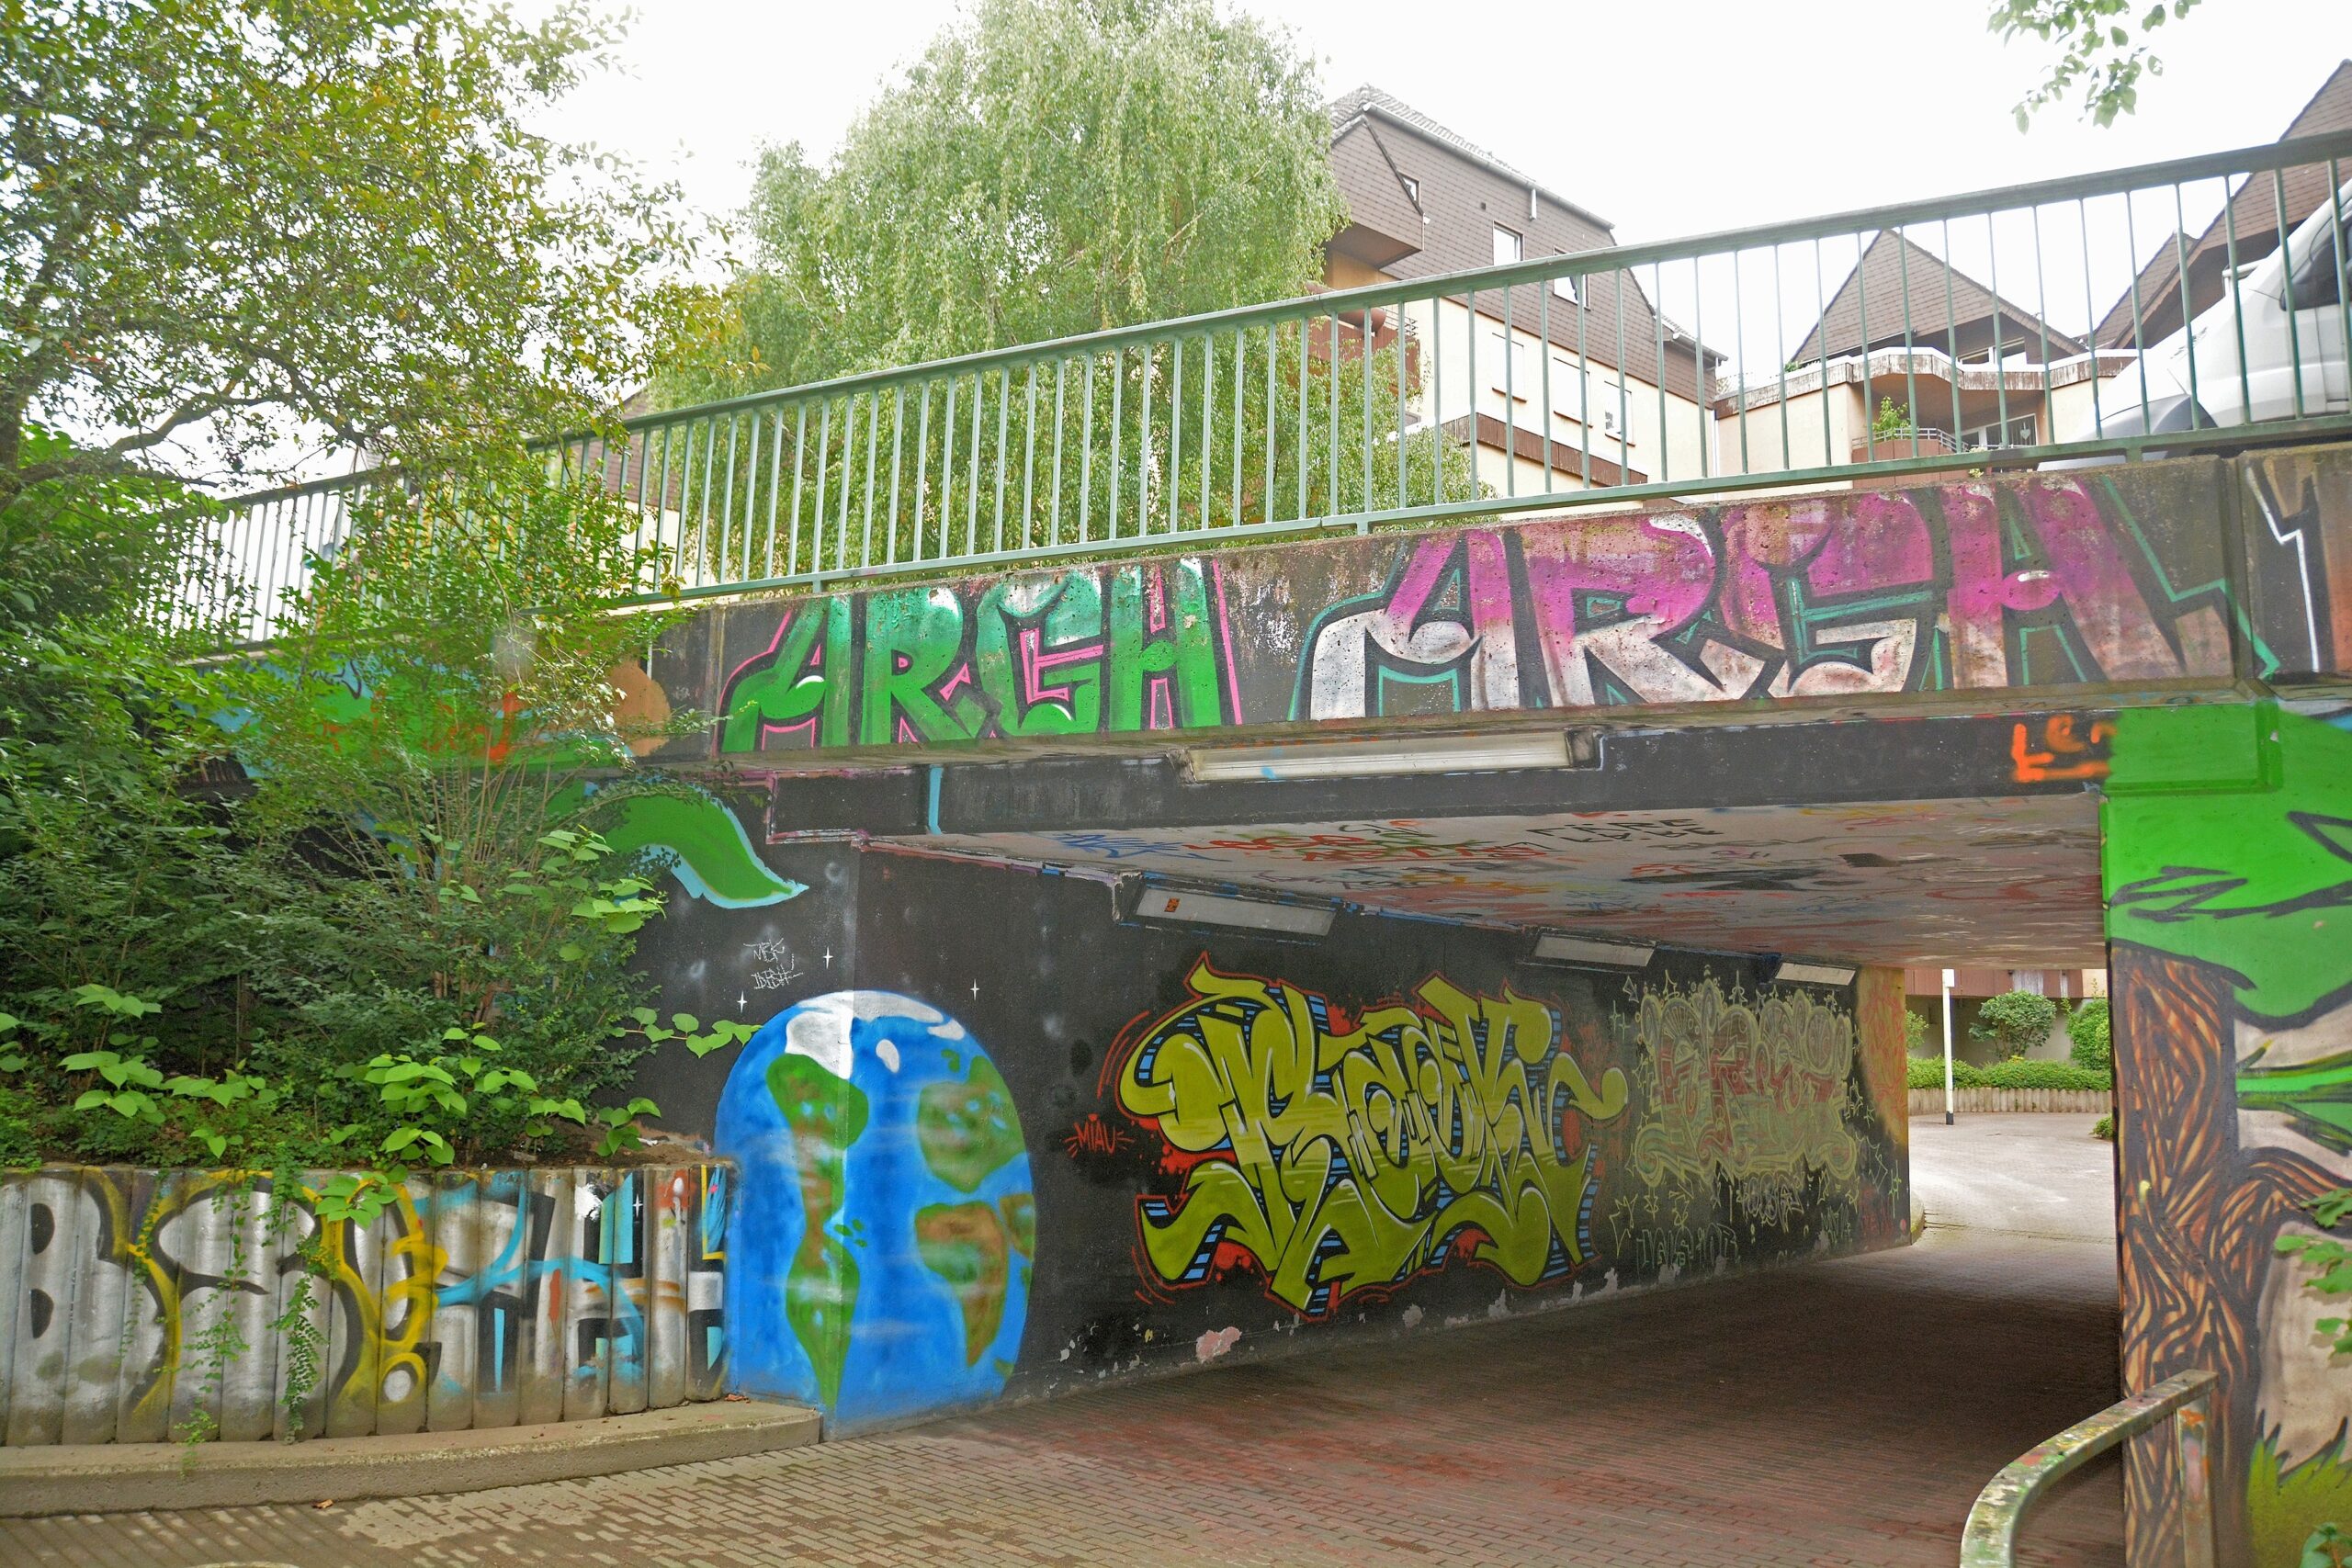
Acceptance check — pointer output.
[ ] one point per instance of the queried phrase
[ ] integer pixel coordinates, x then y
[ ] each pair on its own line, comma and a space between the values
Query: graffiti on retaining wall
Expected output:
2230, 902
1748, 1090
143, 1305
1336, 1156
883, 1267
1955, 585
2004, 581
1107, 649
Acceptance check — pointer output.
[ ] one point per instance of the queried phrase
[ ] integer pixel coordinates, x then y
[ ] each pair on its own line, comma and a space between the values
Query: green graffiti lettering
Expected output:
1181, 649
913, 638
800, 678
1047, 622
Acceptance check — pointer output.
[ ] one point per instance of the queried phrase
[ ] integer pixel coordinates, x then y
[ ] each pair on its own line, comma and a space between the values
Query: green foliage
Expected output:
2015, 1022
2088, 1027
2102, 50
2328, 1259
1914, 1034
1047, 167
1891, 422
400, 939
2104, 1128
233, 227
1927, 1072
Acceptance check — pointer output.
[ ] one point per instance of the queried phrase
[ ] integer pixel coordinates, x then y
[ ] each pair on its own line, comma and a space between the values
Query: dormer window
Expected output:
1508, 247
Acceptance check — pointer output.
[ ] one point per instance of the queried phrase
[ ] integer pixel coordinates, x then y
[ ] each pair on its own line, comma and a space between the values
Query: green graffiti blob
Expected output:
826, 1114
709, 852
967, 1246
968, 1129
2229, 842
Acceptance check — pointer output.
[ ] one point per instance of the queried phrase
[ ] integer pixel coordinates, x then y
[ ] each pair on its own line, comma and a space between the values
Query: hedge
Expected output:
1927, 1072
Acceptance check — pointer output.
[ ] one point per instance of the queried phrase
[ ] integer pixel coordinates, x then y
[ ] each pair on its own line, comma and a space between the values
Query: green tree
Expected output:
2088, 1029
2015, 1021
1047, 167
2103, 49
230, 228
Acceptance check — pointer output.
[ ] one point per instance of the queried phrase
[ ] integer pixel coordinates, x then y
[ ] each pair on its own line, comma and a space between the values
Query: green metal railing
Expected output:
1555, 381
1990, 1539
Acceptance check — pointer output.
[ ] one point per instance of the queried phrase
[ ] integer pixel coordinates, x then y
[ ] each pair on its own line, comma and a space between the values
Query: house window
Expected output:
1508, 246
1412, 191
1565, 288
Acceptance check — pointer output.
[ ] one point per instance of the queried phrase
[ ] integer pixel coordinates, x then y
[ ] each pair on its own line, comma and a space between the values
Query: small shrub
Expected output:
2104, 1127
2015, 1022
2094, 1043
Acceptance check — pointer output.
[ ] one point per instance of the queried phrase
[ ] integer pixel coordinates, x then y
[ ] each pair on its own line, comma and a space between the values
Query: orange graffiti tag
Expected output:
2086, 754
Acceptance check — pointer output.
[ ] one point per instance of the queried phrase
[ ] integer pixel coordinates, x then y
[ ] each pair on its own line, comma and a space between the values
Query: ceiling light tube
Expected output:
1813, 974
1345, 759
1554, 947
1176, 905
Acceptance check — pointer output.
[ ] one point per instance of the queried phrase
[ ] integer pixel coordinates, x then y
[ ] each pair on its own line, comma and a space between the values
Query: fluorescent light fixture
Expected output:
1551, 947
1429, 754
1178, 906
1813, 974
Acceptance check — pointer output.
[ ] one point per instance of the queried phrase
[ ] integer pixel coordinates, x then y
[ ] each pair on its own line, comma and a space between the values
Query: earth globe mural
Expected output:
879, 1257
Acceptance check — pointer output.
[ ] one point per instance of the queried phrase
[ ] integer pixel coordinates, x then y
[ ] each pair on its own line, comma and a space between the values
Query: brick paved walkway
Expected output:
1832, 1414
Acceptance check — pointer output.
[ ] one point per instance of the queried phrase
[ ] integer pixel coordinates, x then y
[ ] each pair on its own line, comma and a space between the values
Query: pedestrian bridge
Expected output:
1406, 806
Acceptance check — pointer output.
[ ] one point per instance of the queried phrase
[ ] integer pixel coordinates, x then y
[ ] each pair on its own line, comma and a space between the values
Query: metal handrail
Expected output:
1353, 408
1991, 1539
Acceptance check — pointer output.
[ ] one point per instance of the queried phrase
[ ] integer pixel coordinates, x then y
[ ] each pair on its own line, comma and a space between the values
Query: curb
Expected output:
117, 1478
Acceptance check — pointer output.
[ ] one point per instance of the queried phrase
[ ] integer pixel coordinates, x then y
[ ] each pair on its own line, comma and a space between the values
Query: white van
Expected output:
2286, 310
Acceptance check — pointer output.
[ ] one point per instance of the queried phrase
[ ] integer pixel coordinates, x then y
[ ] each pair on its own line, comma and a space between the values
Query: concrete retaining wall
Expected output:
1930, 1102
139, 1306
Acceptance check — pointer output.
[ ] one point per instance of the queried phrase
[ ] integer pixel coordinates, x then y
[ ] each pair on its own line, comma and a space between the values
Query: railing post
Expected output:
2192, 1429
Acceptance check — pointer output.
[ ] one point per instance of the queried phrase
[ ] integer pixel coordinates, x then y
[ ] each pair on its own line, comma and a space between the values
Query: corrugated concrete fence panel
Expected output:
150, 1311
36, 1404
144, 1307
670, 1202
452, 1212
547, 1252
94, 1342
625, 1218
584, 1303
303, 1301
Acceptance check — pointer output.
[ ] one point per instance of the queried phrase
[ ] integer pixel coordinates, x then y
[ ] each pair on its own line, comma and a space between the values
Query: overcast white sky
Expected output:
1668, 118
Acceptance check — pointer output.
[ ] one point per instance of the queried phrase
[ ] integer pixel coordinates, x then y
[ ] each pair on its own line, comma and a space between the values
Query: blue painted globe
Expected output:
878, 1256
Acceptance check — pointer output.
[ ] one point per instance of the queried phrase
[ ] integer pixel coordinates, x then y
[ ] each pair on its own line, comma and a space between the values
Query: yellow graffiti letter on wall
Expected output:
1345, 1159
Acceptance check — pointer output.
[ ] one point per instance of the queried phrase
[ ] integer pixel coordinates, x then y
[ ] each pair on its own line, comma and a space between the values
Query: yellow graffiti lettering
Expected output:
1345, 1159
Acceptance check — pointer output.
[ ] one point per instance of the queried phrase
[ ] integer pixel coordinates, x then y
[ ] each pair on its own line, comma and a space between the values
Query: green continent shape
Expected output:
826, 1115
715, 860
965, 1246
967, 1127
2248, 869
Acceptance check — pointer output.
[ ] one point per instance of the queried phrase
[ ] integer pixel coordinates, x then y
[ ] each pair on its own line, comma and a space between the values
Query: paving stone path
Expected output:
1828, 1414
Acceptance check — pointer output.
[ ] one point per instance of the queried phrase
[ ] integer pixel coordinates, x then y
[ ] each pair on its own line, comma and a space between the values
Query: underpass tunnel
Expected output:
1192, 963
1289, 1062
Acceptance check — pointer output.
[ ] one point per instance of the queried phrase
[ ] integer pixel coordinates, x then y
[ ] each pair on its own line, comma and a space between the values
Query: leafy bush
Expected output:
2104, 1128
1927, 1072
2088, 1027
1915, 1033
2015, 1022
397, 938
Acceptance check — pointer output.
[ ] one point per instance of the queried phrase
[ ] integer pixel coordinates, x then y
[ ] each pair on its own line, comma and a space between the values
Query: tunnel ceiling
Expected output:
2010, 880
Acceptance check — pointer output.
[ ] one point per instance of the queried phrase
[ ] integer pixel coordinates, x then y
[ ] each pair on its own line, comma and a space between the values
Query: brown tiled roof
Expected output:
1874, 293
1350, 107
2252, 215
